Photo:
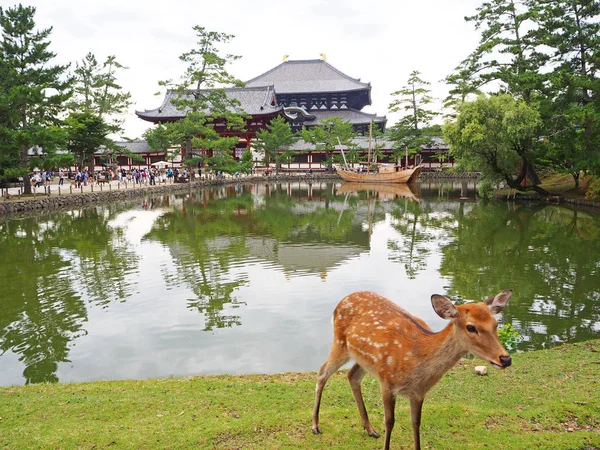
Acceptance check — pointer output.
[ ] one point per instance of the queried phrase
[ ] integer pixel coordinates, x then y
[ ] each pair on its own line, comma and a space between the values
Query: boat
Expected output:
383, 191
382, 173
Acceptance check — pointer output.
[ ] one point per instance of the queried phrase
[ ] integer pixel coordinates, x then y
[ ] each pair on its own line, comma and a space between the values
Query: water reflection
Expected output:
229, 279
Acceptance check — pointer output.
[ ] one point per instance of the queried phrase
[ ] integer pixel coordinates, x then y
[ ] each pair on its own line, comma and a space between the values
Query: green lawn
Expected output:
546, 400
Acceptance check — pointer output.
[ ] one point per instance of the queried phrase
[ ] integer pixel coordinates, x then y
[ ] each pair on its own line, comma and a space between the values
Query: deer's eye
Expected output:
471, 329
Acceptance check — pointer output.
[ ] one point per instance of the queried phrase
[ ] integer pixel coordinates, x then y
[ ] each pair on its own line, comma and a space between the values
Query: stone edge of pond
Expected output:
45, 203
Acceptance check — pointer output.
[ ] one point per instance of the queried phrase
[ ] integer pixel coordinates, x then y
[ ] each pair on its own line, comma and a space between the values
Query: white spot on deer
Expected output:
389, 360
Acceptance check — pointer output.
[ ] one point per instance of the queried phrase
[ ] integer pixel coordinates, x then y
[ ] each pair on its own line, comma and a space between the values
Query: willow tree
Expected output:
201, 95
493, 135
33, 92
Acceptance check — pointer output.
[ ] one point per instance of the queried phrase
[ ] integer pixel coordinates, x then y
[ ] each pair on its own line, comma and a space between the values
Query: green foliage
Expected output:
509, 337
200, 94
493, 135
485, 188
274, 142
97, 91
412, 130
32, 91
328, 134
86, 134
545, 53
593, 190
246, 163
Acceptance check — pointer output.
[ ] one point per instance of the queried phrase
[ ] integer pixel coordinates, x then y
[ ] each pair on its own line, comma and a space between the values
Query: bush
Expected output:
509, 337
593, 190
485, 189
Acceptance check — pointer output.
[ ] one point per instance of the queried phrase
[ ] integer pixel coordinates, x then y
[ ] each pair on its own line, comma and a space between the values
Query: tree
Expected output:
97, 93
86, 133
571, 32
274, 142
507, 52
32, 91
202, 96
493, 135
412, 100
327, 136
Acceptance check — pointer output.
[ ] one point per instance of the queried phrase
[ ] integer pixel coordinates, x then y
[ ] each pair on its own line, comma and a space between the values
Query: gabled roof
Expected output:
353, 116
253, 101
135, 146
312, 75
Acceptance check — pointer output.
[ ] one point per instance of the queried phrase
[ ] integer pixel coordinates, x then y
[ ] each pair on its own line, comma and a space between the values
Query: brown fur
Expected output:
402, 351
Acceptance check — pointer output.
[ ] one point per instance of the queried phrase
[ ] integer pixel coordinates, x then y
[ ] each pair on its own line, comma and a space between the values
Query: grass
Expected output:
548, 399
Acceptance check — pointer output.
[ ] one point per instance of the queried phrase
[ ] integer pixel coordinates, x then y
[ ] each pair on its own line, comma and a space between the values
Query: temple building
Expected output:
305, 92
313, 90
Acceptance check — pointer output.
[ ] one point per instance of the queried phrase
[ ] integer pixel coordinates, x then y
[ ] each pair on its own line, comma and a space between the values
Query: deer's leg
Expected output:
389, 406
355, 376
338, 356
416, 406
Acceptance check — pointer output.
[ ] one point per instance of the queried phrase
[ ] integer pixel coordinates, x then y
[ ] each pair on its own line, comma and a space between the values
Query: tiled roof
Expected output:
361, 142
253, 101
353, 116
137, 146
311, 75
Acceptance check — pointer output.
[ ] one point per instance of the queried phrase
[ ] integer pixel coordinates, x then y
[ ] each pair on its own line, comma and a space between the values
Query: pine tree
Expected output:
202, 96
33, 91
412, 100
275, 141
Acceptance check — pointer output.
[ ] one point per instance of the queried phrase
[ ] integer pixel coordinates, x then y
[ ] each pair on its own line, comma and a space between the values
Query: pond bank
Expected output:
547, 399
117, 193
120, 191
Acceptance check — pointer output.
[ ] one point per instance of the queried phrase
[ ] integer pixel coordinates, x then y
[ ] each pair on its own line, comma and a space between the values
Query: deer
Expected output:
404, 353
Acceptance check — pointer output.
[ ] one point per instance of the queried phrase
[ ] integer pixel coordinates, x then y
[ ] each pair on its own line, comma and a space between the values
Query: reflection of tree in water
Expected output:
419, 226
43, 308
549, 255
206, 240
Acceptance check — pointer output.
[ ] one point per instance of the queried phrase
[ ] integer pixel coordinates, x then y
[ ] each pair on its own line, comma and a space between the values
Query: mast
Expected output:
369, 151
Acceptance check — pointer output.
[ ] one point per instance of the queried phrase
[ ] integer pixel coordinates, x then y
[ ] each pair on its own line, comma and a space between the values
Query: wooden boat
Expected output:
384, 191
385, 174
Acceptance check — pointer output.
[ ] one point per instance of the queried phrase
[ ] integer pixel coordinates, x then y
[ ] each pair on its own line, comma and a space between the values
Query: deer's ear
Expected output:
499, 301
444, 307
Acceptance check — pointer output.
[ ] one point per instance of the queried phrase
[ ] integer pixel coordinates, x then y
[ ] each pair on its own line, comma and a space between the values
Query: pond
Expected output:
244, 278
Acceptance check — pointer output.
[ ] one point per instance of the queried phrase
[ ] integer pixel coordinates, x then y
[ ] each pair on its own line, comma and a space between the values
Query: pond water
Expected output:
244, 278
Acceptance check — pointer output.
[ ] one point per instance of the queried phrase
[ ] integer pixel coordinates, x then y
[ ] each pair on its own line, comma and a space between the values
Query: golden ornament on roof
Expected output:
285, 58
323, 57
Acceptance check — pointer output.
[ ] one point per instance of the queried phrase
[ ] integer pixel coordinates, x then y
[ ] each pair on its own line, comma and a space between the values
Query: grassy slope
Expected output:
547, 400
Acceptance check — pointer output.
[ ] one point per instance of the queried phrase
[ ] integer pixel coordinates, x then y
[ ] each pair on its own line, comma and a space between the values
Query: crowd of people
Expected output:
83, 177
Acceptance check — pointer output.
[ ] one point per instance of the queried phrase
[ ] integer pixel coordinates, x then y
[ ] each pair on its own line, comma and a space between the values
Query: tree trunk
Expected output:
24, 164
187, 149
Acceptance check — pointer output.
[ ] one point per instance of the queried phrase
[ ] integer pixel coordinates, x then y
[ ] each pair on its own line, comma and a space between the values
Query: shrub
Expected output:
509, 337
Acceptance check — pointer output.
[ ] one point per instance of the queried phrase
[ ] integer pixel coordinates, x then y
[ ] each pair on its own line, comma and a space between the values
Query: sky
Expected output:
380, 42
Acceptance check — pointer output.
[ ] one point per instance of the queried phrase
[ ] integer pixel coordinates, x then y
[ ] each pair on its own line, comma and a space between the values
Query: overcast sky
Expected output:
380, 42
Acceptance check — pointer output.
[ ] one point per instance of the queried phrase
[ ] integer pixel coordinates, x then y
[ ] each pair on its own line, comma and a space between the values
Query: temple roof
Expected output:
313, 75
353, 116
253, 101
135, 146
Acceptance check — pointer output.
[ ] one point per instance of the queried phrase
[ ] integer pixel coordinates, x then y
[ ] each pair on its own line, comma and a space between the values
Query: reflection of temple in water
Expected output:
300, 259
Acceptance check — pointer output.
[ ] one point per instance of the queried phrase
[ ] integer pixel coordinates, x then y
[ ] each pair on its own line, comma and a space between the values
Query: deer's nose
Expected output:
505, 361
